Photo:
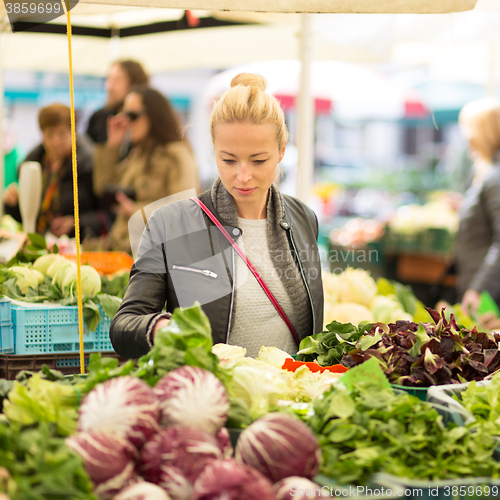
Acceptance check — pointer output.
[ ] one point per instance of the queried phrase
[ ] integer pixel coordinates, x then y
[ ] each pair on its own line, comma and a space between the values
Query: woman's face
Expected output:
57, 141
117, 85
247, 157
139, 124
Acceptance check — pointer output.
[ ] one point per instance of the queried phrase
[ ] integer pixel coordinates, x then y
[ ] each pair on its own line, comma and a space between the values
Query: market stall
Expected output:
193, 420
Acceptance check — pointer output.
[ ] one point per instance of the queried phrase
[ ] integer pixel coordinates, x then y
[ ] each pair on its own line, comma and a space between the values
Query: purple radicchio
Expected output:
124, 405
192, 397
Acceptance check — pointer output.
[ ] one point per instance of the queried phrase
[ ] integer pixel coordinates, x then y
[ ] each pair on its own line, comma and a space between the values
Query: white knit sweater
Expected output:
256, 322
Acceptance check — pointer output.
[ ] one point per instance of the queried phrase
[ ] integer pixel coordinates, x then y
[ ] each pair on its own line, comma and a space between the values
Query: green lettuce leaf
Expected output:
109, 304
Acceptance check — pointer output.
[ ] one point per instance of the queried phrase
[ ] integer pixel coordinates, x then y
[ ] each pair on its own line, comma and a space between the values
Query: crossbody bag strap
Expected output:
268, 292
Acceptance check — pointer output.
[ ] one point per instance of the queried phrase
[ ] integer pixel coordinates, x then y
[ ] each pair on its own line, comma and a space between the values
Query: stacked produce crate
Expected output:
34, 334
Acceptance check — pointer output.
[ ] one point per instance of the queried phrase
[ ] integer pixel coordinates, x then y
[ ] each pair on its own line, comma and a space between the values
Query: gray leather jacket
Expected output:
180, 234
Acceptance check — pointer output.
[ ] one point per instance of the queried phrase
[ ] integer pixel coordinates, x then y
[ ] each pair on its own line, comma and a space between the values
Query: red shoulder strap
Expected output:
268, 292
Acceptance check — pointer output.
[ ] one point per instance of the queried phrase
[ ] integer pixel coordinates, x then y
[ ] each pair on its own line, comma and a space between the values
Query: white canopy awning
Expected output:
285, 6
305, 6
87, 53
171, 51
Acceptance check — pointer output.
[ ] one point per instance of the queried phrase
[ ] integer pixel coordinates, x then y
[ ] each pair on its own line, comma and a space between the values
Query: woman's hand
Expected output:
62, 225
125, 205
117, 127
161, 323
11, 195
470, 302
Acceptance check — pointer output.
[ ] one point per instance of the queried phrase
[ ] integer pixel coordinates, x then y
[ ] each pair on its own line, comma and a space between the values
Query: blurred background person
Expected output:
122, 76
54, 155
478, 241
160, 163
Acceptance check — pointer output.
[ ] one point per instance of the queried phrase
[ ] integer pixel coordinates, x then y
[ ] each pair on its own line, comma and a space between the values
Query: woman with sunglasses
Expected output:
159, 164
244, 251
122, 76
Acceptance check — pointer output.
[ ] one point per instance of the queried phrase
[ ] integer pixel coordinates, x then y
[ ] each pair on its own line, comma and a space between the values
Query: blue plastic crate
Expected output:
43, 330
103, 333
6, 338
66, 362
5, 311
6, 331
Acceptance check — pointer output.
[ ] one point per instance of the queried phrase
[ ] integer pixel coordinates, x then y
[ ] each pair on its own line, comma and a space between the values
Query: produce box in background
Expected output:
427, 241
358, 243
369, 257
12, 365
428, 228
41, 329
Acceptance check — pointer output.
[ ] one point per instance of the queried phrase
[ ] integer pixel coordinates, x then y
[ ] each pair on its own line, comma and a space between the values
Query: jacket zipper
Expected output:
232, 297
289, 229
206, 272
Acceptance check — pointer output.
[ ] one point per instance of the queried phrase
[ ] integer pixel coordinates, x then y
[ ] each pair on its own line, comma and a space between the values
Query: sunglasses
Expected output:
134, 115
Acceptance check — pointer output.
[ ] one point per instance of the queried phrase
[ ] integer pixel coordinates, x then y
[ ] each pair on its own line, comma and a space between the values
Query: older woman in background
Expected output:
160, 163
54, 155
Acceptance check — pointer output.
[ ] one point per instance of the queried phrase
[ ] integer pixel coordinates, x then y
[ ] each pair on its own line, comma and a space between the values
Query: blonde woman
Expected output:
478, 242
186, 257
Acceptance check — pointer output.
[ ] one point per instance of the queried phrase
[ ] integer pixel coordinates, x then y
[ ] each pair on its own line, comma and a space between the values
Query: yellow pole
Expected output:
75, 193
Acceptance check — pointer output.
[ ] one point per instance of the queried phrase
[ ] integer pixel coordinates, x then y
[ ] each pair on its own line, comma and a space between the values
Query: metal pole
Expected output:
305, 122
491, 87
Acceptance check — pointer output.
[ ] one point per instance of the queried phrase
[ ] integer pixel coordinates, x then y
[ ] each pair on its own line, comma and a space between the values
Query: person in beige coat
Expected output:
160, 163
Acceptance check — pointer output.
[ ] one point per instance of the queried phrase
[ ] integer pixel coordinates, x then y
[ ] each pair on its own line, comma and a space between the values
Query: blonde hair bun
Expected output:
249, 80
246, 101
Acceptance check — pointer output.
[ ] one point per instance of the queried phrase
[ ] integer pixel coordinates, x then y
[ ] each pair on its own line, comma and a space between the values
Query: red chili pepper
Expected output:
291, 365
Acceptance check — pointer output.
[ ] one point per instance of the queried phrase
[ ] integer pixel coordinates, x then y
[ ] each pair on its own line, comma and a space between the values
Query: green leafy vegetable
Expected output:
372, 429
91, 315
100, 369
109, 304
35, 464
42, 400
484, 403
428, 354
37, 241
115, 285
31, 252
329, 346
187, 340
